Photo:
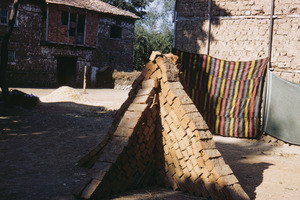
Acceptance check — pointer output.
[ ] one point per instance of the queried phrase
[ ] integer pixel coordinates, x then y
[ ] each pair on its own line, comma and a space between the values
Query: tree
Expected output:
135, 6
4, 50
154, 32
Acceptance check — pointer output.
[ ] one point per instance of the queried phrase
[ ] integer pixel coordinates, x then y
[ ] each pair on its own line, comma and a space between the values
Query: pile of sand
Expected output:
65, 94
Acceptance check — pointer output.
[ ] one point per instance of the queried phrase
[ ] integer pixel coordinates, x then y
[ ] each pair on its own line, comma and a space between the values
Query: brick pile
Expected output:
158, 136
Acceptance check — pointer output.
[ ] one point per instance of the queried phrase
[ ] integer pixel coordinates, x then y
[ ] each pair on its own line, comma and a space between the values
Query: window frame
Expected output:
3, 17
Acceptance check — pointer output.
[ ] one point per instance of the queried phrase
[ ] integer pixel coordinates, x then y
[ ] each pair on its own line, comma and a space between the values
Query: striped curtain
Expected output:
227, 93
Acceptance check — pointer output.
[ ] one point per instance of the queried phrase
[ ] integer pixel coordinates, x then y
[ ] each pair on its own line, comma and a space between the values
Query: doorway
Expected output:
66, 71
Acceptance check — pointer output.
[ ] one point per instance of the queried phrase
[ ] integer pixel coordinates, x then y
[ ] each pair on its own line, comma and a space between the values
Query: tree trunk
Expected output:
4, 50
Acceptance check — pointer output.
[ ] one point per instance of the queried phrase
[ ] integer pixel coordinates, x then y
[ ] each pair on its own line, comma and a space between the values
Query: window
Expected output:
11, 56
115, 31
3, 16
72, 28
64, 18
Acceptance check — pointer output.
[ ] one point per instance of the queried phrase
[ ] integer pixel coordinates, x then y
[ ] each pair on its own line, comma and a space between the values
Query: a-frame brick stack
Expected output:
158, 137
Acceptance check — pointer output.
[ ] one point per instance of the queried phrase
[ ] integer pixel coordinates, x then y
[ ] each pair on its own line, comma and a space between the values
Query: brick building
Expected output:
54, 39
242, 30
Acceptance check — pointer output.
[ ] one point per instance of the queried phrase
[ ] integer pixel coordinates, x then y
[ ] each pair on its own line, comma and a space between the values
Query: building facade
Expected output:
242, 30
53, 41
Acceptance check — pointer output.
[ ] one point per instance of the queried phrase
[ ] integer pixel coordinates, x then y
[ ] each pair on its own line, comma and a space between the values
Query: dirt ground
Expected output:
40, 146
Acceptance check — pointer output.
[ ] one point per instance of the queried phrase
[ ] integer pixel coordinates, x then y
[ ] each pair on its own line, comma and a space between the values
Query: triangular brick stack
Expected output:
158, 136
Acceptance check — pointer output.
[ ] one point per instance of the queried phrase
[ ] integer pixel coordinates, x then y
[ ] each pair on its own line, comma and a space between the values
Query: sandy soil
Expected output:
39, 148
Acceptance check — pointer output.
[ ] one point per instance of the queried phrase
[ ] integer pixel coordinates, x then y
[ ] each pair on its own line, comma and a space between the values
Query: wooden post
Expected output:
84, 80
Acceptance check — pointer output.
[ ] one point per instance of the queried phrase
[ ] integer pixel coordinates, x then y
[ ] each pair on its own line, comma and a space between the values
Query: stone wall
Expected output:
240, 31
158, 137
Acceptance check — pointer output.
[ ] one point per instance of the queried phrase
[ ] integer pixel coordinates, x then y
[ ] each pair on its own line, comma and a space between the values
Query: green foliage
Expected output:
148, 41
135, 6
154, 32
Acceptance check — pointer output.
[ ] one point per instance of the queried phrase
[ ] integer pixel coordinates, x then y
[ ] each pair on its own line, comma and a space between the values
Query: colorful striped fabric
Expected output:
227, 93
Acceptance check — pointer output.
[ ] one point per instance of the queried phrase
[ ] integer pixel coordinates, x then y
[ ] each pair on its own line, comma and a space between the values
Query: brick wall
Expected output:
36, 55
240, 31
158, 136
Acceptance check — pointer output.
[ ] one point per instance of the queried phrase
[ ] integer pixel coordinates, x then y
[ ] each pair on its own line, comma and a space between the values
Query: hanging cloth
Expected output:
227, 93
282, 109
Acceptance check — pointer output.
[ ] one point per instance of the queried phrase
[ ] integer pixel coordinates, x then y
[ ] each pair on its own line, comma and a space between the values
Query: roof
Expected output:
94, 5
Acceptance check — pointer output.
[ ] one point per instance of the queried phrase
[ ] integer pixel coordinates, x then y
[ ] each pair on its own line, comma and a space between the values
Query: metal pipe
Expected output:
271, 33
208, 28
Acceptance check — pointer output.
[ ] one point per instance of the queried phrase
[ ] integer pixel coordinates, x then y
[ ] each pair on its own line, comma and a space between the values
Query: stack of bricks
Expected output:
158, 136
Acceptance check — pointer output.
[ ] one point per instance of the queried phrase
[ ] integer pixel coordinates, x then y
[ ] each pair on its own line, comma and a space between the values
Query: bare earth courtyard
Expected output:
40, 146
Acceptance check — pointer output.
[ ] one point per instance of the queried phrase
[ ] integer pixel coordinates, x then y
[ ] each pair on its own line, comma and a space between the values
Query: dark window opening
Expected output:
115, 32
80, 29
66, 71
11, 56
72, 28
64, 18
3, 16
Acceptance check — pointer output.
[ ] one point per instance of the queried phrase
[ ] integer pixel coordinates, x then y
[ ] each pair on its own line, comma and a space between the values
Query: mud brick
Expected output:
203, 135
89, 189
123, 132
164, 89
186, 172
181, 134
137, 81
170, 97
168, 107
174, 86
182, 97
188, 108
164, 66
221, 170
185, 121
130, 119
116, 145
200, 162
189, 165
175, 145
178, 154
148, 84
174, 118
197, 148
166, 127
197, 121
194, 161
178, 171
146, 91
236, 192
182, 145
185, 155
189, 150
162, 99
208, 144
173, 128
190, 186
137, 107
215, 162
227, 180
151, 66
142, 100
154, 55
156, 75
210, 153
201, 189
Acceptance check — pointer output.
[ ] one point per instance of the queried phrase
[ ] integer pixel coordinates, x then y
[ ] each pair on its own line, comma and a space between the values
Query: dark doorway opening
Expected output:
66, 71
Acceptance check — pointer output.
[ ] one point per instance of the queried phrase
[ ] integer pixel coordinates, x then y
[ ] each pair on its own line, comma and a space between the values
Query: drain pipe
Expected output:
174, 21
271, 34
208, 28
